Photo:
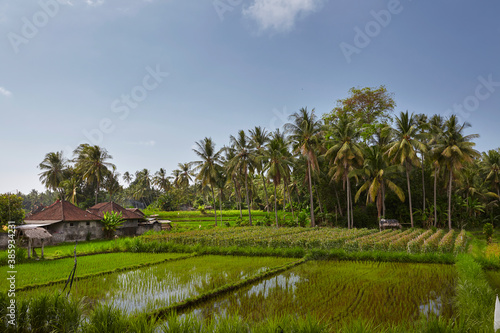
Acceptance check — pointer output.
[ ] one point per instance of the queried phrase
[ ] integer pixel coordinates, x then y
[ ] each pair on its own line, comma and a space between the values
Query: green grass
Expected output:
41, 272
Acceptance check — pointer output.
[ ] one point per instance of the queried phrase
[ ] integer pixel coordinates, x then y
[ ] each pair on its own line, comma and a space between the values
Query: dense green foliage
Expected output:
11, 209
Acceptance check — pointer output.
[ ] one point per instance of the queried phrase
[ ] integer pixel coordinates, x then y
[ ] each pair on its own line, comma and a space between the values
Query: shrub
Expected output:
488, 232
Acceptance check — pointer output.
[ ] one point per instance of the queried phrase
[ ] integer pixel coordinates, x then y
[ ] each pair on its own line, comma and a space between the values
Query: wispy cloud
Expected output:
149, 143
279, 15
5, 92
94, 2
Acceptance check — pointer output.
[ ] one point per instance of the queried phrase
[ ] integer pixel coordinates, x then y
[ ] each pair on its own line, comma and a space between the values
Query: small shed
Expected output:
34, 234
386, 223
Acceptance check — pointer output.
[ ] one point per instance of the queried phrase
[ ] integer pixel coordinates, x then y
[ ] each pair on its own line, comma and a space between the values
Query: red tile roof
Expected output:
63, 211
103, 207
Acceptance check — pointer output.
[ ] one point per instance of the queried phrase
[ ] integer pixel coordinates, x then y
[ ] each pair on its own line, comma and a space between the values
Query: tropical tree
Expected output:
375, 171
258, 139
111, 183
344, 155
490, 165
278, 164
208, 167
243, 162
403, 150
127, 177
53, 167
161, 180
436, 124
305, 132
91, 163
111, 221
182, 175
231, 174
457, 150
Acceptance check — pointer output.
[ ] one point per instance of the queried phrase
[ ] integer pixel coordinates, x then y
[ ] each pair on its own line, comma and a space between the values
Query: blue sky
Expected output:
147, 79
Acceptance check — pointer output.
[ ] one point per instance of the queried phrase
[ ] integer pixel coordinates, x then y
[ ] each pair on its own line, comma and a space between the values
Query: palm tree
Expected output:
305, 133
208, 167
423, 127
53, 167
490, 165
376, 171
161, 180
436, 131
243, 162
344, 155
182, 176
259, 137
142, 186
456, 151
91, 162
232, 174
111, 184
278, 164
403, 150
127, 177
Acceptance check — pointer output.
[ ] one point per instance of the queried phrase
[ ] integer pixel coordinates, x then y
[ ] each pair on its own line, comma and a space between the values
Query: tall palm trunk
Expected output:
383, 198
220, 205
215, 207
313, 223
348, 203
319, 199
275, 205
435, 195
97, 191
238, 196
423, 182
287, 191
338, 201
409, 191
449, 199
248, 199
265, 190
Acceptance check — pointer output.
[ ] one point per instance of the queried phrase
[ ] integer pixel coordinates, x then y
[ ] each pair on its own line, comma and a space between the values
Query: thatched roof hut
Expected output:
39, 234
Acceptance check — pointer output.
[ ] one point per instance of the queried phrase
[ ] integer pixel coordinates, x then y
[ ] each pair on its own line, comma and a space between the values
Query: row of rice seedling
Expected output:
41, 272
366, 242
401, 243
383, 244
431, 244
415, 245
461, 242
319, 238
447, 242
158, 286
342, 292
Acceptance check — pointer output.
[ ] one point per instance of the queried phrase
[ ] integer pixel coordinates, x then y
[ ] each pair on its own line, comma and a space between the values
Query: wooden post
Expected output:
29, 248
42, 246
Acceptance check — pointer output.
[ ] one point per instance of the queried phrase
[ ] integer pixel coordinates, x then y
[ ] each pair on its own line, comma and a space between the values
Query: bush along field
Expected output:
221, 279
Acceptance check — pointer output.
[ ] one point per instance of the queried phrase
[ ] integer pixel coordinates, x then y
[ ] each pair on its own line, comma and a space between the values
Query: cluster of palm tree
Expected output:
349, 151
91, 169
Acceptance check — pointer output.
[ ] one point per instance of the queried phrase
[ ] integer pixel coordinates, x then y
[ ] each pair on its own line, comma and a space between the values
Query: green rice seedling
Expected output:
446, 243
52, 271
460, 242
415, 245
383, 244
336, 292
164, 284
475, 298
401, 243
431, 244
366, 242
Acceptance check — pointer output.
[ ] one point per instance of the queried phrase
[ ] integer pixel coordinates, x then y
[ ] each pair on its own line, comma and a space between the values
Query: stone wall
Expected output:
4, 240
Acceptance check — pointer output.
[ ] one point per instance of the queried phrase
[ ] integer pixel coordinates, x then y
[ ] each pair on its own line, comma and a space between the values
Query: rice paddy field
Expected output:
161, 285
252, 290
410, 240
386, 293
